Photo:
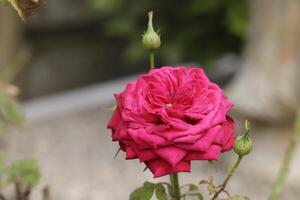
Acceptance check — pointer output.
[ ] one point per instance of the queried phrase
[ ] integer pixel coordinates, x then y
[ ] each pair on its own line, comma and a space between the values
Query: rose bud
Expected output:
151, 39
243, 145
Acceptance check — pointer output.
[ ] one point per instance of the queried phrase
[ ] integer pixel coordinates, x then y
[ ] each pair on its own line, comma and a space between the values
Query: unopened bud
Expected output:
243, 145
151, 39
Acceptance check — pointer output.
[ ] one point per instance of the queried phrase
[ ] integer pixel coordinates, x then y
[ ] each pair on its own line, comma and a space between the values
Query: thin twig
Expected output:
229, 175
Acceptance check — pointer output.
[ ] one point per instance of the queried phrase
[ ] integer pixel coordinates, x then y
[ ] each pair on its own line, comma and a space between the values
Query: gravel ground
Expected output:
76, 157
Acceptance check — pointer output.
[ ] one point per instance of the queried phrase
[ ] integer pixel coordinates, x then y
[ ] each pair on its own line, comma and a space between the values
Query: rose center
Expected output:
168, 105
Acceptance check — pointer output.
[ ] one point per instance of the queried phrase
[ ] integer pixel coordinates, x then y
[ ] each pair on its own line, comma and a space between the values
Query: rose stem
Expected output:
175, 186
152, 59
282, 175
229, 175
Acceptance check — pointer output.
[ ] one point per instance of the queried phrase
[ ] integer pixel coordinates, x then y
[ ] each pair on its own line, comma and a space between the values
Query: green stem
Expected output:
288, 157
175, 186
229, 175
152, 59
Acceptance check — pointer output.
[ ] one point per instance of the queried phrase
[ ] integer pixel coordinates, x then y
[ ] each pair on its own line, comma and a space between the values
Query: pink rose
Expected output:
171, 116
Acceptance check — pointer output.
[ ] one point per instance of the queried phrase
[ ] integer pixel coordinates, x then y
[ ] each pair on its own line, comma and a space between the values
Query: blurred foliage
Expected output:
23, 174
24, 171
10, 111
196, 30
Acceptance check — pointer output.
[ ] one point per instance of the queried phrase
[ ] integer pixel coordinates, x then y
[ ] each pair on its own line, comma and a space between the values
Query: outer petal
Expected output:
146, 155
204, 143
212, 154
171, 154
130, 153
115, 119
120, 133
161, 168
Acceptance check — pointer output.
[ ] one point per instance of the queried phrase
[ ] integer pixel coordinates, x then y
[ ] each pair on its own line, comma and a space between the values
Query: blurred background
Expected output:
72, 55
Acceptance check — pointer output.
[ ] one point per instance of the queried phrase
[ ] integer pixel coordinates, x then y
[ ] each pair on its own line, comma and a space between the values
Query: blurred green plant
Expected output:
198, 31
10, 111
25, 171
23, 174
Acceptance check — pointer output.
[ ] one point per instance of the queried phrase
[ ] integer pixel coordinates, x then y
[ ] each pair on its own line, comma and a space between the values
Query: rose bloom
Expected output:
171, 116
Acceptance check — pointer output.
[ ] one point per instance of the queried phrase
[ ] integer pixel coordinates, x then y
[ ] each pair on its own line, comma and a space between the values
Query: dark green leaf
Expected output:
160, 192
143, 193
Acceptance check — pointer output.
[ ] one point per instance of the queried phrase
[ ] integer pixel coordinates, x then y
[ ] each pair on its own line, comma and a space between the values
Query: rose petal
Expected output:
204, 143
145, 155
115, 119
171, 154
130, 153
212, 154
160, 167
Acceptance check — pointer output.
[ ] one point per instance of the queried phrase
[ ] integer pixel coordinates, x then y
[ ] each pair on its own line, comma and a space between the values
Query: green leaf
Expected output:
203, 182
10, 109
198, 195
137, 194
160, 192
143, 193
193, 187
26, 171
211, 189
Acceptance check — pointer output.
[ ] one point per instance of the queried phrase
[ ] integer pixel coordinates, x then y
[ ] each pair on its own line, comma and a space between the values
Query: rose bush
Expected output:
170, 116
